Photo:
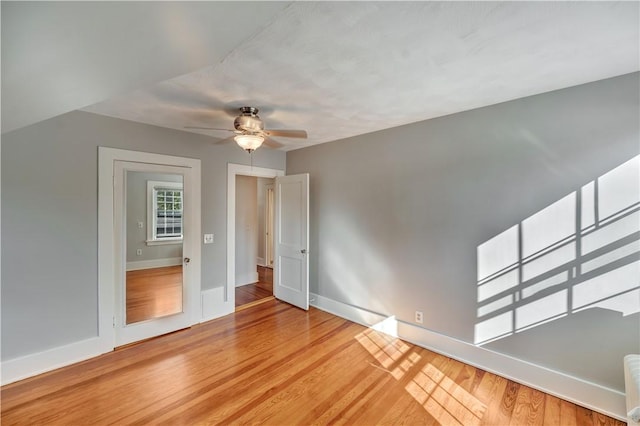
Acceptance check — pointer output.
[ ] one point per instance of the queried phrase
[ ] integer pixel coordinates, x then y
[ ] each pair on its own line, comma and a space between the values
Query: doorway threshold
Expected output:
254, 303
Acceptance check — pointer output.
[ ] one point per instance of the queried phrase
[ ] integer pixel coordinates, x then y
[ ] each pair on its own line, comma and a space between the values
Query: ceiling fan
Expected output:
250, 131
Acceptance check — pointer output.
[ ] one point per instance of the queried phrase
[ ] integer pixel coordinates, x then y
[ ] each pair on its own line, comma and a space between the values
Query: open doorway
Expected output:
254, 217
290, 235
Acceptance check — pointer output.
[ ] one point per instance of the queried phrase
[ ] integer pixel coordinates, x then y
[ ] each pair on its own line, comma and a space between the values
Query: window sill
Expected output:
164, 242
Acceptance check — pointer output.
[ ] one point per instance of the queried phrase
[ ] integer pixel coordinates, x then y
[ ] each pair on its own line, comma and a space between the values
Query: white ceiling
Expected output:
336, 69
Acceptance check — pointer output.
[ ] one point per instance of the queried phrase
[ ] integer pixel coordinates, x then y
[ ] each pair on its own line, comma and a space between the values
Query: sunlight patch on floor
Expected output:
447, 402
437, 393
385, 349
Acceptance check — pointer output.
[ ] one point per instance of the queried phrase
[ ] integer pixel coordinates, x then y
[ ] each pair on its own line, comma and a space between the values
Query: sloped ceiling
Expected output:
61, 56
336, 69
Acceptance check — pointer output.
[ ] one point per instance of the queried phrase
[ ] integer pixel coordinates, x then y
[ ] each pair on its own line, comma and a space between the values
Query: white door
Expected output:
183, 299
291, 268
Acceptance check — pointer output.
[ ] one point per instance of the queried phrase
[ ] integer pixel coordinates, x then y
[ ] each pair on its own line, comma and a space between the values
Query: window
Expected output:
165, 204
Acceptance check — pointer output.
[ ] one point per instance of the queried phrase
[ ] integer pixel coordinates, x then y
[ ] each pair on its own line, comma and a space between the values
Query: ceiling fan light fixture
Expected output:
249, 142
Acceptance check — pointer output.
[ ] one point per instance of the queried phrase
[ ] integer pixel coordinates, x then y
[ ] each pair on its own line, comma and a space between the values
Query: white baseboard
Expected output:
590, 395
260, 261
13, 370
30, 365
213, 304
248, 278
153, 263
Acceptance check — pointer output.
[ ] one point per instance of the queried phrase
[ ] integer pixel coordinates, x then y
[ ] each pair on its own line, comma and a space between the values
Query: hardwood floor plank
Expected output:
293, 368
559, 412
509, 398
407, 412
247, 389
347, 399
399, 361
600, 419
491, 392
348, 382
448, 402
305, 390
583, 416
237, 387
469, 378
567, 412
529, 407
276, 364
552, 410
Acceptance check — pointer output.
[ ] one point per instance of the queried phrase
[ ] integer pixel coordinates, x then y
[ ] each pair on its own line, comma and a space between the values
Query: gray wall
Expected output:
49, 220
246, 229
397, 216
137, 212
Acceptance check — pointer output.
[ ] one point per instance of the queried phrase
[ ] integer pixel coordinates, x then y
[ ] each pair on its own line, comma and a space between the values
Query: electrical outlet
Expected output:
140, 225
139, 252
419, 318
208, 238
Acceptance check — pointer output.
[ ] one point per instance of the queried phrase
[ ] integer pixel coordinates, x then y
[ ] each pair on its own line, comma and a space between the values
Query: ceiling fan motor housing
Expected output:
248, 121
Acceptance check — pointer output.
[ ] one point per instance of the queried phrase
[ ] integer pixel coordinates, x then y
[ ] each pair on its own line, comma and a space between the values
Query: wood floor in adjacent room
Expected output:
278, 365
252, 293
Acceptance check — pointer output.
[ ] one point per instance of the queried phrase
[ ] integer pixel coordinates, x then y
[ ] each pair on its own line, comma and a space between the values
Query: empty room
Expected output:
292, 213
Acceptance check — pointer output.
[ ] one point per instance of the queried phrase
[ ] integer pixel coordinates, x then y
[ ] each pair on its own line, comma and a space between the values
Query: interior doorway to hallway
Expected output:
254, 216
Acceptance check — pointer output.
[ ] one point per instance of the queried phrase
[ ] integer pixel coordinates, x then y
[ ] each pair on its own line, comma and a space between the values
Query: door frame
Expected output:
107, 241
234, 170
269, 225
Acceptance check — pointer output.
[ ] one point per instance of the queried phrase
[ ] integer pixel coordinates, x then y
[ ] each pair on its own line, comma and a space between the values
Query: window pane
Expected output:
168, 213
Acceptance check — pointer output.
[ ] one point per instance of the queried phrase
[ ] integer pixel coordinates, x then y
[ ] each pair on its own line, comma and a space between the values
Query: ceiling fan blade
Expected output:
207, 128
271, 143
302, 134
223, 141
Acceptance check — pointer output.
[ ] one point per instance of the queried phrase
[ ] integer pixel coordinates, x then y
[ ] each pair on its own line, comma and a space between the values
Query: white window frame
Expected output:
152, 239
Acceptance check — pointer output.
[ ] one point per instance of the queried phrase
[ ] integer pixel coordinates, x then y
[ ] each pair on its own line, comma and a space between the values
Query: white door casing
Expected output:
113, 163
268, 226
291, 266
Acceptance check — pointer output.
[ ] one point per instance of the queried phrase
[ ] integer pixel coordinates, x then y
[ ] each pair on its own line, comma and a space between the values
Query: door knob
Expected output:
303, 251
187, 260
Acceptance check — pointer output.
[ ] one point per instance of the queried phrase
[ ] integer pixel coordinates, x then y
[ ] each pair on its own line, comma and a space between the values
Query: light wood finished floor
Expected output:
253, 292
278, 365
154, 293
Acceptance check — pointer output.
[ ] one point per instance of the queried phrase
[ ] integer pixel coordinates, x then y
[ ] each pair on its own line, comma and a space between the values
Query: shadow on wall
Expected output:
357, 284
580, 253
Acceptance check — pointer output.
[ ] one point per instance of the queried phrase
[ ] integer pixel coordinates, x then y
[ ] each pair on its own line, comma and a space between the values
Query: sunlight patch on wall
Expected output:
498, 284
498, 253
581, 252
549, 227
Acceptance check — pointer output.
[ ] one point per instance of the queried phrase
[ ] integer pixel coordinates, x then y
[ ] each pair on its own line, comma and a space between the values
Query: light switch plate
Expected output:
208, 238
